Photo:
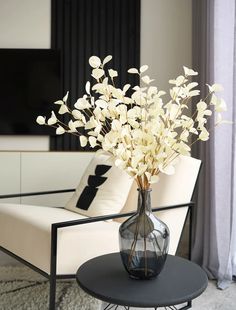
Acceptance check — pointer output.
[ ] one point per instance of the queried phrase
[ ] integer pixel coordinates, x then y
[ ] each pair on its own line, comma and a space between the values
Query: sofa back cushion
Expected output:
170, 189
103, 189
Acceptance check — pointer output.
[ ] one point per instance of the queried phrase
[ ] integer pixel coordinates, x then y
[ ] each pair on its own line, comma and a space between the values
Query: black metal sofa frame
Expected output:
52, 277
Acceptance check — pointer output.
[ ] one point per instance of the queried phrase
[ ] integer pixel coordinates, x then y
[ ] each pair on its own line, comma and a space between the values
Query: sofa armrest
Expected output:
56, 226
114, 216
37, 193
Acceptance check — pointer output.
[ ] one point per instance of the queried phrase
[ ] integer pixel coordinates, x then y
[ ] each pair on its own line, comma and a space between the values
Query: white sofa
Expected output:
30, 233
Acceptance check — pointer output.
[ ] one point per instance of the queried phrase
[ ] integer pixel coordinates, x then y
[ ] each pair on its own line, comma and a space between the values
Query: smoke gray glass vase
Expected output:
144, 240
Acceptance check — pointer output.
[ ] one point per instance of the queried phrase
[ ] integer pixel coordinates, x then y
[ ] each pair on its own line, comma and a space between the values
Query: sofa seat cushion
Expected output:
25, 230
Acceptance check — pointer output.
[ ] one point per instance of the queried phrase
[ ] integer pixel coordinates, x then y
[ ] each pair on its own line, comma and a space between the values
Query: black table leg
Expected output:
188, 306
111, 306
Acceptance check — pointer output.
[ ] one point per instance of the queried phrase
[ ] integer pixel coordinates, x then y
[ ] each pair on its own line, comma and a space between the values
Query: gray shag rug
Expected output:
213, 298
23, 289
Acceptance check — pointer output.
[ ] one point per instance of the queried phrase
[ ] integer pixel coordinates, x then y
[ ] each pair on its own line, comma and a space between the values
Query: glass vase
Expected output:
144, 240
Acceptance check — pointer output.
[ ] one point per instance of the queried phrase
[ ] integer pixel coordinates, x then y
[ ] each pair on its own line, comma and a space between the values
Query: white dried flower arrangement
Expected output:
143, 134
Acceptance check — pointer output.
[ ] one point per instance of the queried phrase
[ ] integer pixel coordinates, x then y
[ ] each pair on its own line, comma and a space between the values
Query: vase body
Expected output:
144, 240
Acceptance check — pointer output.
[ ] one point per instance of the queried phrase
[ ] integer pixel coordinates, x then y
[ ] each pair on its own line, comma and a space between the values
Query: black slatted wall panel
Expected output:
82, 28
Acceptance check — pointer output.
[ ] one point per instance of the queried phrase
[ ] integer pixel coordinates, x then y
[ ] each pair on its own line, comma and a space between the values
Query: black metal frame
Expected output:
188, 306
52, 277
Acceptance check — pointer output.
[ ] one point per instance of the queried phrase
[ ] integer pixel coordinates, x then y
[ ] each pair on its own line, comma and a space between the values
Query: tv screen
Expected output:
29, 84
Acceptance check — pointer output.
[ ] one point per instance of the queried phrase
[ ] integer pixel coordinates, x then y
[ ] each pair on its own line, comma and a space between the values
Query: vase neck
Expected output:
144, 201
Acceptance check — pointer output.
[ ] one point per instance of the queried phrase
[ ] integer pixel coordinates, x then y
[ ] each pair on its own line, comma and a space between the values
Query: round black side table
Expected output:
105, 278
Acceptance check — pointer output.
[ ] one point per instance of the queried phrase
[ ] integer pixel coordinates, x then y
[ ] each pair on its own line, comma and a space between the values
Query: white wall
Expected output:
166, 34
165, 43
25, 24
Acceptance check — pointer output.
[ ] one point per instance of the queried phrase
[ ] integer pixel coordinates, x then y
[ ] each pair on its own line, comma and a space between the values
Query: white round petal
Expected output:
143, 68
82, 104
146, 79
116, 125
220, 106
193, 130
201, 106
112, 73
97, 73
63, 109
60, 102
208, 112
77, 114
83, 141
60, 130
180, 80
92, 141
52, 120
190, 72
87, 87
107, 59
133, 71
94, 61
194, 93
101, 103
72, 126
126, 87
215, 87
191, 85
66, 97
204, 135
161, 93
41, 120
184, 135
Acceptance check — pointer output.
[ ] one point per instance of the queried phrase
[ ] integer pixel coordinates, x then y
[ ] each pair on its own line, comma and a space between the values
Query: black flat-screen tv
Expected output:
30, 81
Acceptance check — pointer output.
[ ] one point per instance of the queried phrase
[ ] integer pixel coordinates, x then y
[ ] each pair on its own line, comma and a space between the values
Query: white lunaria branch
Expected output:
142, 130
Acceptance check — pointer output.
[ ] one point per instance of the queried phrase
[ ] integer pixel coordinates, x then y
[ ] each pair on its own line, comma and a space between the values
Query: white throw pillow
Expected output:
103, 189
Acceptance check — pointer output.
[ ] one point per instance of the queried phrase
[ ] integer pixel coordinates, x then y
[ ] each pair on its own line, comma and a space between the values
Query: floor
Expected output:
212, 299
71, 298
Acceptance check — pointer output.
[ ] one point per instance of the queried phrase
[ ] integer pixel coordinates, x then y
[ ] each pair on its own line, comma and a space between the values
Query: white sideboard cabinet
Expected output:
23, 172
10, 178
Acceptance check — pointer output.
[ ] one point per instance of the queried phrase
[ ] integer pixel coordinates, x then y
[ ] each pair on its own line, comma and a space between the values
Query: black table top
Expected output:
105, 278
